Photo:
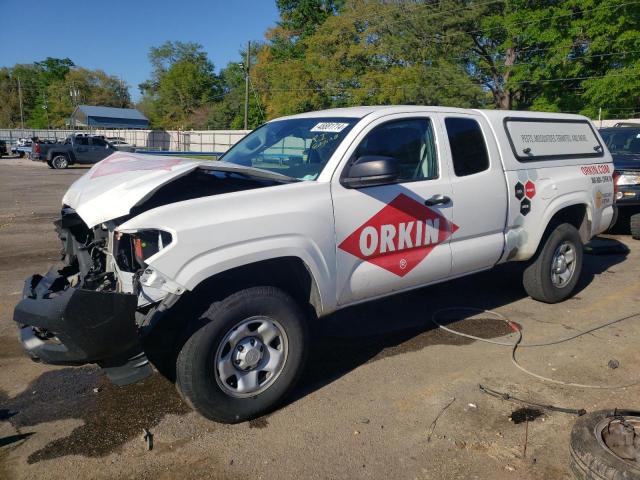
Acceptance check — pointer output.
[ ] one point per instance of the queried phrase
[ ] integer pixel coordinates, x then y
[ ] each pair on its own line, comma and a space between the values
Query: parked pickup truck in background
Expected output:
78, 148
22, 147
215, 270
624, 145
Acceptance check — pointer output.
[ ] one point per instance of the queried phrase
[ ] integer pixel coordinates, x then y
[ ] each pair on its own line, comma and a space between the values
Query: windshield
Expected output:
298, 148
624, 140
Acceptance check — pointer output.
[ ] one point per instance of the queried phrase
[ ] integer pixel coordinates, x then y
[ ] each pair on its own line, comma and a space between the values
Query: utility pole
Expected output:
45, 106
600, 116
20, 97
246, 87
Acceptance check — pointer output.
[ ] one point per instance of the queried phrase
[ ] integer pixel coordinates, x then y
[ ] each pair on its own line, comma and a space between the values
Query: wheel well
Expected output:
577, 216
166, 330
287, 273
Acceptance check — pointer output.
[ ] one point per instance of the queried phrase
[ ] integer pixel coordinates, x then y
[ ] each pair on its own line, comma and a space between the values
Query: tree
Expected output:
182, 82
94, 87
369, 53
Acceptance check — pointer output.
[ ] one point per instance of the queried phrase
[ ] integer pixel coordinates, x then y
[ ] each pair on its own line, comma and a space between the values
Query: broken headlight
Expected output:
132, 250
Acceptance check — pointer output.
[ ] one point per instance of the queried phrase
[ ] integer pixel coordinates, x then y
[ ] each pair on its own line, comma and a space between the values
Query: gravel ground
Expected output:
378, 377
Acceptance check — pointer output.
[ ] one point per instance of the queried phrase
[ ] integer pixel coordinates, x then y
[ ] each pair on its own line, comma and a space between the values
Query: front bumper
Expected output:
65, 325
629, 195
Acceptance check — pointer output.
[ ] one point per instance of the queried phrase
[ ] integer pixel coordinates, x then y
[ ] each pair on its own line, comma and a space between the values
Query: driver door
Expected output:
396, 236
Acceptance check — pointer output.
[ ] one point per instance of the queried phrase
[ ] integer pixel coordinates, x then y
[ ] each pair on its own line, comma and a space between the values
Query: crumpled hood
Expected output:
123, 180
113, 186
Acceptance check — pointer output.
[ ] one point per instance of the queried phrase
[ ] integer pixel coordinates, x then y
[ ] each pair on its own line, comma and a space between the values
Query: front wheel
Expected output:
555, 270
248, 356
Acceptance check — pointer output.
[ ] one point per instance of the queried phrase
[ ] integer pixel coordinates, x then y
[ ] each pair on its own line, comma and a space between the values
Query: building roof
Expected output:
108, 117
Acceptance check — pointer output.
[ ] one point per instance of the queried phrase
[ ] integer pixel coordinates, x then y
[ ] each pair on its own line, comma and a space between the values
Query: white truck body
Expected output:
315, 220
306, 215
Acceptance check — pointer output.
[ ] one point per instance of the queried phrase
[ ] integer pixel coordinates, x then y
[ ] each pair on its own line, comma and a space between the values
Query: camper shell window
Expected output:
534, 139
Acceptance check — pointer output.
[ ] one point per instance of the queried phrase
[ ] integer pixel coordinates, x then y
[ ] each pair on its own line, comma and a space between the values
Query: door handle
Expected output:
437, 200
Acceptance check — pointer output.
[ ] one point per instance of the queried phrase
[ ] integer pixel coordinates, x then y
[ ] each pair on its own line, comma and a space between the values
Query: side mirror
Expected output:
370, 171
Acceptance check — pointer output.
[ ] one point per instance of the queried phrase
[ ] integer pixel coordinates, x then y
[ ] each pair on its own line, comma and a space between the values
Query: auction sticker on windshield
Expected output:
331, 127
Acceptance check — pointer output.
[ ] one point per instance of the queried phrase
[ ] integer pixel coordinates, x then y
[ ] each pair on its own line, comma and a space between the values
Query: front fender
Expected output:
240, 254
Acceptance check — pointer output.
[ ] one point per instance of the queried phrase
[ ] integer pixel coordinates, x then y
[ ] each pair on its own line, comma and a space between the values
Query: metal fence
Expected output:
209, 142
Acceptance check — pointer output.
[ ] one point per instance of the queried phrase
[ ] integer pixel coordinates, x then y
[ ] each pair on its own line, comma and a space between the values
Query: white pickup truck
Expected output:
214, 270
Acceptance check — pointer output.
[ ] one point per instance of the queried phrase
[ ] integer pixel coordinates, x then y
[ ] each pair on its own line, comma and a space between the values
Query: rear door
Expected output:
99, 149
388, 239
479, 192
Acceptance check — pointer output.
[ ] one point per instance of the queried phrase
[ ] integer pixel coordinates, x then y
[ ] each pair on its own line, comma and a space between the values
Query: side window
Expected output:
411, 142
98, 142
81, 141
468, 149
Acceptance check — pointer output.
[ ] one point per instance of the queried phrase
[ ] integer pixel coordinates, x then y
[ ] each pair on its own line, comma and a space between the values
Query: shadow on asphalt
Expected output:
341, 343
402, 323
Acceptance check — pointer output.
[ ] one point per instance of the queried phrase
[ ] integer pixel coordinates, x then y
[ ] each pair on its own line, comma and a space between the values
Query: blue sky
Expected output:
115, 35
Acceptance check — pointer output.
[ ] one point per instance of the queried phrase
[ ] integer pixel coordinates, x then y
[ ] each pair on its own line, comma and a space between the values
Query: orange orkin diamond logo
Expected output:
399, 236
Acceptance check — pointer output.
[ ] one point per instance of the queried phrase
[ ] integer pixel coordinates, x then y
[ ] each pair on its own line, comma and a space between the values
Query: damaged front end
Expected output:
85, 310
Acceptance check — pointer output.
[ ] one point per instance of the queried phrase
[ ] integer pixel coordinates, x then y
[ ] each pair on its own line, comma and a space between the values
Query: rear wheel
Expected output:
635, 226
248, 356
60, 162
555, 270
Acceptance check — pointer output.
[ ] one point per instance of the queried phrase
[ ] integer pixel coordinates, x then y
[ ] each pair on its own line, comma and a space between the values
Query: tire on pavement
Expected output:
554, 271
246, 358
591, 458
60, 162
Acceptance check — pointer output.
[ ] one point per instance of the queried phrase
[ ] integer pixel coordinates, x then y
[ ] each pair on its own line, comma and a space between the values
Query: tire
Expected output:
60, 162
537, 277
212, 391
590, 458
21, 154
635, 226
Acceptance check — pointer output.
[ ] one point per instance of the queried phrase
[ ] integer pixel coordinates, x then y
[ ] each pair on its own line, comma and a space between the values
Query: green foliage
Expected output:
45, 87
183, 82
574, 55
570, 56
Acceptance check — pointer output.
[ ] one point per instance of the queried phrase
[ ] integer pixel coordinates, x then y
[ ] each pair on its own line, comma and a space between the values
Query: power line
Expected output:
255, 94
337, 89
430, 10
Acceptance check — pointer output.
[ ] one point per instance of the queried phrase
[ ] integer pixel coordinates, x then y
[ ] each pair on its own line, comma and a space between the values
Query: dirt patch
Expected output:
258, 423
10, 347
112, 415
